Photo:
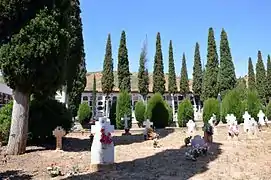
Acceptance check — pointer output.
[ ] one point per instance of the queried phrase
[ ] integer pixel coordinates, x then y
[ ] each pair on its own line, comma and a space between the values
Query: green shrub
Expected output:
268, 111
45, 116
185, 112
170, 113
253, 104
112, 113
5, 121
210, 107
140, 109
84, 113
232, 104
157, 111
123, 107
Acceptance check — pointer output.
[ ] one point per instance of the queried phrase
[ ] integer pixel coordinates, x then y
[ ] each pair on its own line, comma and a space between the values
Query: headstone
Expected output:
147, 125
102, 153
247, 121
232, 126
190, 127
197, 141
261, 116
59, 132
231, 119
126, 126
253, 126
211, 122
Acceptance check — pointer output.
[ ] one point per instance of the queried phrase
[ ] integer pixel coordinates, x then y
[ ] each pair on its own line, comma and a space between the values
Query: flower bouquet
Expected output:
106, 138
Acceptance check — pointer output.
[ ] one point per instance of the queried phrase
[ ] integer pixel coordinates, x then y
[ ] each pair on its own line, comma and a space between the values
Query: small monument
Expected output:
261, 116
247, 121
126, 126
102, 149
232, 126
253, 126
190, 127
212, 122
148, 129
59, 132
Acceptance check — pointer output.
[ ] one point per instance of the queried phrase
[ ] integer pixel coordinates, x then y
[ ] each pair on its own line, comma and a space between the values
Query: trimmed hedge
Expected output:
5, 121
157, 111
253, 104
170, 113
268, 111
84, 113
210, 107
140, 109
185, 112
123, 107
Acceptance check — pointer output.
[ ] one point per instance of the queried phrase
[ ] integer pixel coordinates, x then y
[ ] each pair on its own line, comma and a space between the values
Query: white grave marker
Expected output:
211, 122
247, 121
147, 125
190, 126
253, 126
59, 132
101, 154
125, 119
261, 116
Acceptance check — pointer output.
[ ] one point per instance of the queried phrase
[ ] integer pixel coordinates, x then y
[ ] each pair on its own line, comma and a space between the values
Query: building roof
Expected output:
134, 82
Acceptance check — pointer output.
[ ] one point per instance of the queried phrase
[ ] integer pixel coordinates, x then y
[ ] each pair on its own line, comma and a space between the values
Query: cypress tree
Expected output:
172, 87
143, 76
123, 65
251, 75
184, 86
94, 91
261, 78
268, 78
227, 77
158, 68
108, 76
197, 73
211, 71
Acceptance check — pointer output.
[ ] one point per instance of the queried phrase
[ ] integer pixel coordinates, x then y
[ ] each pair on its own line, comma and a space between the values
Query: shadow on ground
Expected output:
165, 165
15, 175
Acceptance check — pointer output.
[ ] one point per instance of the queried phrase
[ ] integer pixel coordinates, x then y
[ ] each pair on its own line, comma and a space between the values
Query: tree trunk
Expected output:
19, 124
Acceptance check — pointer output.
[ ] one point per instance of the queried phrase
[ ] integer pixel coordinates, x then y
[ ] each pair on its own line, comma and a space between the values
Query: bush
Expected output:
5, 121
45, 116
210, 107
268, 111
170, 113
185, 112
253, 104
232, 104
84, 113
123, 107
140, 109
112, 113
157, 111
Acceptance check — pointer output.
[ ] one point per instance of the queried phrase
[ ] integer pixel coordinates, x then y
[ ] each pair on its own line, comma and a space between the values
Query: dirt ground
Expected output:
246, 158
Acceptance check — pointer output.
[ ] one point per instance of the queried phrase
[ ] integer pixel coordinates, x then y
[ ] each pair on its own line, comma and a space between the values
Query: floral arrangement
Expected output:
106, 139
194, 152
54, 170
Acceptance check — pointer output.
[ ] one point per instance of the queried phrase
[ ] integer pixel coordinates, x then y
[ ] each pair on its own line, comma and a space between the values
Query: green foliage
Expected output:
251, 75
107, 74
268, 78
5, 121
185, 112
227, 77
84, 113
241, 87
184, 86
123, 107
232, 104
157, 111
158, 68
94, 97
45, 116
210, 107
210, 89
253, 104
112, 113
143, 75
170, 113
197, 72
268, 111
124, 78
261, 78
172, 86
140, 109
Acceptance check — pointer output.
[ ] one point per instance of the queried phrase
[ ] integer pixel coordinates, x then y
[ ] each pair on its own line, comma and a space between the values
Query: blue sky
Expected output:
247, 23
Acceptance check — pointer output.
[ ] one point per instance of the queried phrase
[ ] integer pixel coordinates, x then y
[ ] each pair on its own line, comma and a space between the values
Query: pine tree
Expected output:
251, 75
172, 87
227, 77
94, 91
261, 78
211, 71
197, 72
124, 78
143, 76
268, 78
184, 86
158, 68
108, 76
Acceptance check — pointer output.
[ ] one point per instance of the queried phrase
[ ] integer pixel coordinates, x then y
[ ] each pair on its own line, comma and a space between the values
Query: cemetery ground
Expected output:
248, 158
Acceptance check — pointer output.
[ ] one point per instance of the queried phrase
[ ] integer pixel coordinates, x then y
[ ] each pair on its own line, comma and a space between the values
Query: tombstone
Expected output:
197, 141
253, 126
211, 122
261, 116
190, 127
247, 121
232, 126
147, 125
59, 132
126, 126
102, 153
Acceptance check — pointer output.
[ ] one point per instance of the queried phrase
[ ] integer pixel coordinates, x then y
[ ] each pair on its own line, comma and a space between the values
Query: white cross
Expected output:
261, 116
246, 116
102, 123
147, 123
191, 126
125, 119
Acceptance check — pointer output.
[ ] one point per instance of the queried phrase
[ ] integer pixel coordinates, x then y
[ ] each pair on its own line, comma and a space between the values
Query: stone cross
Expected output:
191, 126
253, 126
261, 116
125, 119
147, 123
102, 123
231, 119
59, 132
246, 118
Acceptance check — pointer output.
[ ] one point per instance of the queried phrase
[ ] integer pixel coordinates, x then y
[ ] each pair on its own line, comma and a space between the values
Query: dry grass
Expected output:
248, 158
